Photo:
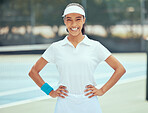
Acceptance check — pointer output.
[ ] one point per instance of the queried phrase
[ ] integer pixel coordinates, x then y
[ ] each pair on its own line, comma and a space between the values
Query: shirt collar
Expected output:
85, 41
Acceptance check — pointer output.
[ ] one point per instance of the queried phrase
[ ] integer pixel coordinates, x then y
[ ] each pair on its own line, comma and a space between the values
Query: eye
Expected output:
78, 19
68, 19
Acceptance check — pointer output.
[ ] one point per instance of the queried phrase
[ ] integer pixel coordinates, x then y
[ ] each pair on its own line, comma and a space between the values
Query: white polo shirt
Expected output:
76, 66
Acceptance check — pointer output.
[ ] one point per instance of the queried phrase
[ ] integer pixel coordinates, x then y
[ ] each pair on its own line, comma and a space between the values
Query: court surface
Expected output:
16, 88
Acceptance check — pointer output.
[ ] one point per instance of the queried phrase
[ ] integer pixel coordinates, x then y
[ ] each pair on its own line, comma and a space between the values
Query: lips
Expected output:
74, 29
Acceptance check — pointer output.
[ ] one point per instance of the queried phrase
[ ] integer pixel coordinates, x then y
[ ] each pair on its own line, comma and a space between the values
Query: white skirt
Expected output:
77, 104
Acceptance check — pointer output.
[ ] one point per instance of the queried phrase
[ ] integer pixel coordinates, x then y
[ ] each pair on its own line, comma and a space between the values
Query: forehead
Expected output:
73, 15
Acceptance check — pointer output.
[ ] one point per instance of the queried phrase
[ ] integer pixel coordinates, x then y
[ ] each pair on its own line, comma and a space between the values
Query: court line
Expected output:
137, 69
141, 77
25, 101
46, 97
134, 70
11, 92
127, 80
24, 47
49, 97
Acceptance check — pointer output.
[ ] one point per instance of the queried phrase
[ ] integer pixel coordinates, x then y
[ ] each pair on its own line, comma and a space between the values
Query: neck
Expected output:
76, 39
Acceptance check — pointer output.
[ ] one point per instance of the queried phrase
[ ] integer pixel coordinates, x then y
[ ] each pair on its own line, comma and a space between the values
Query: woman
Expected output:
76, 58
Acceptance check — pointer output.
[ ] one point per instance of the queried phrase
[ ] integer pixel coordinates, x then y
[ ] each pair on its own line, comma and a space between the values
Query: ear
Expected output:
64, 20
84, 19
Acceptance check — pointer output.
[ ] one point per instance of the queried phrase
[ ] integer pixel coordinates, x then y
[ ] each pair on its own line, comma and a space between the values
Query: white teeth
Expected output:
74, 29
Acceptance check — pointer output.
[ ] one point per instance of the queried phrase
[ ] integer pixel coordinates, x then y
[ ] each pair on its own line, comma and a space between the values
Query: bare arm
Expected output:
119, 71
34, 72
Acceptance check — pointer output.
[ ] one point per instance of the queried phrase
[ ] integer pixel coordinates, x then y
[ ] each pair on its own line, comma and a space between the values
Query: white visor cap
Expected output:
73, 9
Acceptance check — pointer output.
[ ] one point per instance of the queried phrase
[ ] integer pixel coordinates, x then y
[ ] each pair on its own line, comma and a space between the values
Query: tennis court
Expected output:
19, 93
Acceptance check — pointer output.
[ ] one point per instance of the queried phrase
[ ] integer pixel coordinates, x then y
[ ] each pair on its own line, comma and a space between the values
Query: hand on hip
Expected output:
61, 92
93, 91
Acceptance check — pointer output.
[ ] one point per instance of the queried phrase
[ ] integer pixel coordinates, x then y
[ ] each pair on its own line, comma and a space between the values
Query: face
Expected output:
74, 23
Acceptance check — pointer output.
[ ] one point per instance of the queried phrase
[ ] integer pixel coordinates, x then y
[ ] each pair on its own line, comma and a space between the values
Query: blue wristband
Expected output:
46, 88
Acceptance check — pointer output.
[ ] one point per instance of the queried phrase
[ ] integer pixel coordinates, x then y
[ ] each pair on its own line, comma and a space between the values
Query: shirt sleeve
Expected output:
102, 52
48, 55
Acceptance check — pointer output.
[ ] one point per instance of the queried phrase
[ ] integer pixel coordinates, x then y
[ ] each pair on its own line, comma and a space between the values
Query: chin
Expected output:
74, 34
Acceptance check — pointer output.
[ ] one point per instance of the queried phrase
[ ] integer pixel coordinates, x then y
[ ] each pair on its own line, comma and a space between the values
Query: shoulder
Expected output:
57, 43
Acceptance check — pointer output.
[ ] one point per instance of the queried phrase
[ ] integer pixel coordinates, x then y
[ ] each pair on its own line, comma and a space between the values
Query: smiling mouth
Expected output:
74, 29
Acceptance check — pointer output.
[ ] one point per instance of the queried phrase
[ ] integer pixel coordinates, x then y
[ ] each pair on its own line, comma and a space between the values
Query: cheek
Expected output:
81, 25
67, 25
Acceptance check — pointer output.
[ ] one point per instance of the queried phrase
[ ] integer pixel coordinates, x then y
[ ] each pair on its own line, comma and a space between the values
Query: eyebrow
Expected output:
79, 17
68, 17
76, 17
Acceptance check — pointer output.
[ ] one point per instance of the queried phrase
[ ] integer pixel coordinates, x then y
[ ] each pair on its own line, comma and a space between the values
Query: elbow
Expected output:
32, 72
123, 70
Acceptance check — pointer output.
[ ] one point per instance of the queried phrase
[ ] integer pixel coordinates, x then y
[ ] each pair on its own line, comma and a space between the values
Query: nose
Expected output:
74, 24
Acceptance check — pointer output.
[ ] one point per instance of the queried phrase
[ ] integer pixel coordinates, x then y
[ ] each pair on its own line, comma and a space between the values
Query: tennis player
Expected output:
76, 58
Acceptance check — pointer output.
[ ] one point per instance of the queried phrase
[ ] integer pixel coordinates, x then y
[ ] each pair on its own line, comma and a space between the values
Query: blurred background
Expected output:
121, 25
28, 27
